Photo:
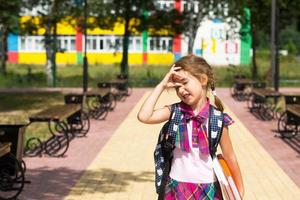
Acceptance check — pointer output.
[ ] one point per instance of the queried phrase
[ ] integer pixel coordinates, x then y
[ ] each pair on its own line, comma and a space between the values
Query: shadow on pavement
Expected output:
56, 183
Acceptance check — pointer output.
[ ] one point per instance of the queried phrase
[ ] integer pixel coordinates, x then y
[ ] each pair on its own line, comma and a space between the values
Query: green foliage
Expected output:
290, 40
9, 15
9, 19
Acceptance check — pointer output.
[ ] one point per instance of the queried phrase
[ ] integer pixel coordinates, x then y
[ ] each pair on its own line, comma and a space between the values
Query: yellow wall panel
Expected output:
35, 20
117, 30
111, 58
66, 58
167, 58
65, 28
104, 58
96, 58
135, 58
32, 58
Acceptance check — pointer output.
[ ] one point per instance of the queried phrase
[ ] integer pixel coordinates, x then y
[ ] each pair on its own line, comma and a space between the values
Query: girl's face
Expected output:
192, 89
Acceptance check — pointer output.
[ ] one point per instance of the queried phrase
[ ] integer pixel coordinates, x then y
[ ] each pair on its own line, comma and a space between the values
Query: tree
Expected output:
131, 14
260, 17
50, 13
260, 10
9, 20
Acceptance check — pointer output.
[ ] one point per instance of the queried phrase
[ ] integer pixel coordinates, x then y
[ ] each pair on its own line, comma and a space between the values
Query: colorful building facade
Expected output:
105, 46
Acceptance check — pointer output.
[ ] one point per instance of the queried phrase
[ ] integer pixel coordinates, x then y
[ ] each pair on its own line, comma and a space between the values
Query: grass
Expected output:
140, 76
23, 104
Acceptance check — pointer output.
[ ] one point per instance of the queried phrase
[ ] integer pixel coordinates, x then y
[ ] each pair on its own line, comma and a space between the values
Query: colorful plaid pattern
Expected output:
199, 137
176, 190
227, 120
180, 133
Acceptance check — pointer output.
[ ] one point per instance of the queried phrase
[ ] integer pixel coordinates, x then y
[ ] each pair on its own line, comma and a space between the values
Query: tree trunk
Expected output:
54, 50
3, 54
191, 38
124, 63
194, 24
48, 66
254, 64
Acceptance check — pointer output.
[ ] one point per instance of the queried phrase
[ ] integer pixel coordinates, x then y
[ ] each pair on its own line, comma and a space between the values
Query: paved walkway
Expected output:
115, 160
123, 169
51, 178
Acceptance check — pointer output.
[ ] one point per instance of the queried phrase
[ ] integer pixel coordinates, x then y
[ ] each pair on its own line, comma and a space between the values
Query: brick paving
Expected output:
51, 178
124, 167
266, 134
115, 160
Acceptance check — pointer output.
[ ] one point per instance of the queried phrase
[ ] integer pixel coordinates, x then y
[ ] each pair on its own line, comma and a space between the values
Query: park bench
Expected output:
4, 148
12, 130
12, 173
97, 102
59, 118
289, 122
262, 103
119, 87
241, 88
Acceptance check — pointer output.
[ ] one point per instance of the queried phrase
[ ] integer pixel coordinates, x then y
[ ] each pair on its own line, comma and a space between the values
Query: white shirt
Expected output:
193, 166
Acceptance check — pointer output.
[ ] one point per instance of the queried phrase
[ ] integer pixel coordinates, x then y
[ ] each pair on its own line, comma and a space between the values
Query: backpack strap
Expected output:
174, 120
215, 128
168, 146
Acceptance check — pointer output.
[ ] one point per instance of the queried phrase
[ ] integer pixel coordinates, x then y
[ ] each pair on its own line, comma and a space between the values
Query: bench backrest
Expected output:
73, 99
259, 85
292, 99
104, 85
4, 148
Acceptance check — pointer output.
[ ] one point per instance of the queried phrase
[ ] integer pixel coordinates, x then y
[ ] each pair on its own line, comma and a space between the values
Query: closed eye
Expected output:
177, 87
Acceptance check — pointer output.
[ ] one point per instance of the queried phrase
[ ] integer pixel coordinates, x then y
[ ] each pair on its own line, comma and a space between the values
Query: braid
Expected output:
218, 102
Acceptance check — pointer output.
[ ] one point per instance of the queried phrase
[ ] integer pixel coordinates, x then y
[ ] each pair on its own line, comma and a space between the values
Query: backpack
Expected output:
166, 140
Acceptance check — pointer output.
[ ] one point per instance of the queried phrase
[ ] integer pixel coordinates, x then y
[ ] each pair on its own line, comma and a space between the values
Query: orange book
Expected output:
224, 176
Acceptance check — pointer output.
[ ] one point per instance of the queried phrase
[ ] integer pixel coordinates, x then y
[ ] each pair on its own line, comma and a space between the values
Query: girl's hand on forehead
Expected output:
169, 81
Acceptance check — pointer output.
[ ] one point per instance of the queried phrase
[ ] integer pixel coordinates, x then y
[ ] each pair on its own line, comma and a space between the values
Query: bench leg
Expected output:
34, 147
58, 144
286, 127
81, 126
11, 176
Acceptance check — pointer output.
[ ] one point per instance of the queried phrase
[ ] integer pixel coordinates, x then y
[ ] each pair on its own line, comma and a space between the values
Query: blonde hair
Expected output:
197, 66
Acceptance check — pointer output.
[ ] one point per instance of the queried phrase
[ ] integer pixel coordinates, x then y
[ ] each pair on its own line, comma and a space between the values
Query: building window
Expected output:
160, 44
108, 44
138, 46
91, 43
73, 44
101, 45
22, 44
37, 43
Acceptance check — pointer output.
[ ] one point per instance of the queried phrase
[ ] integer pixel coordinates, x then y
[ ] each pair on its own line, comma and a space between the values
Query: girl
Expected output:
191, 176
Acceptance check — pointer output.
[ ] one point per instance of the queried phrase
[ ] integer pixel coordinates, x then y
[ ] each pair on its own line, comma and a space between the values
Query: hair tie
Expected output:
214, 92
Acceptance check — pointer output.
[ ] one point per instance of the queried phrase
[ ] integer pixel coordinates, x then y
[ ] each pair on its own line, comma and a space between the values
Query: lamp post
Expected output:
85, 60
274, 46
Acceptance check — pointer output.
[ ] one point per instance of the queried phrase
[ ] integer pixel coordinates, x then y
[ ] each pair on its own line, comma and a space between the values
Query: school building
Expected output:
215, 41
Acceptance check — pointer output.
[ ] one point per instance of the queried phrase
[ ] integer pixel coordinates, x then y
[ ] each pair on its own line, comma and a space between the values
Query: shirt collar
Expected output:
204, 112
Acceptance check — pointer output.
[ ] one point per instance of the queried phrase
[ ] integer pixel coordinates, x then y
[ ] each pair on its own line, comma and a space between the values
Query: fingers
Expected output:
174, 85
175, 68
176, 77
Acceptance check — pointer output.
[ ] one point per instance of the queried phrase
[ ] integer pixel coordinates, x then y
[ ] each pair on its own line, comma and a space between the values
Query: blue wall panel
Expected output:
12, 42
